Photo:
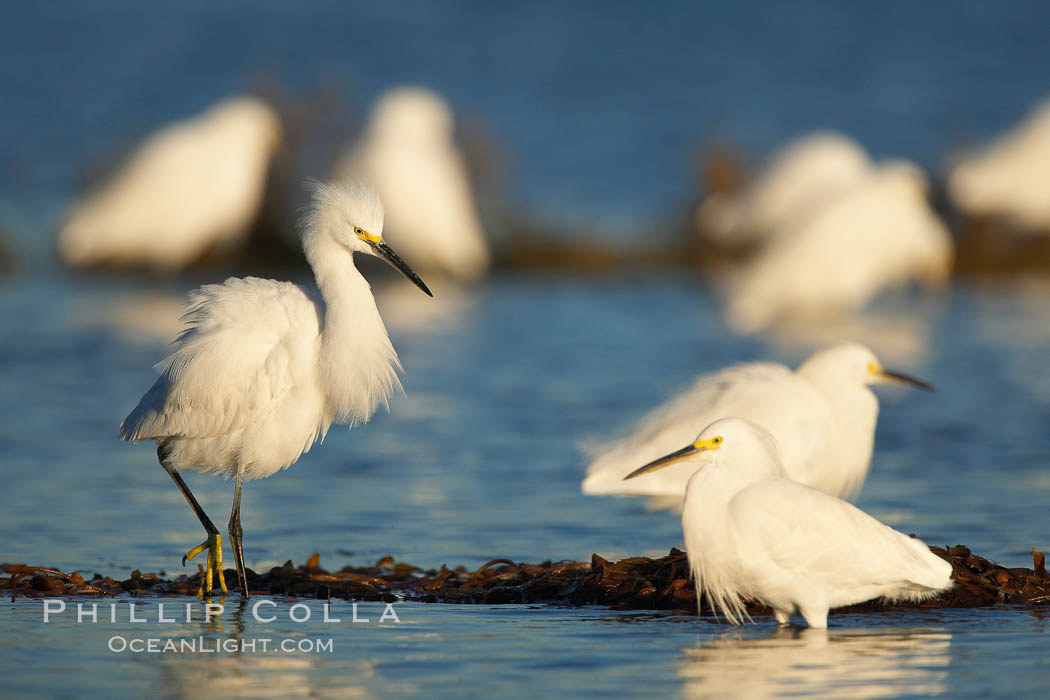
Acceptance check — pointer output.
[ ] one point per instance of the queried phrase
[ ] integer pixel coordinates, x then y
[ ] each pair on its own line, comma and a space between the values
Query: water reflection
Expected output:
146, 317
898, 336
245, 667
847, 664
149, 316
263, 675
405, 310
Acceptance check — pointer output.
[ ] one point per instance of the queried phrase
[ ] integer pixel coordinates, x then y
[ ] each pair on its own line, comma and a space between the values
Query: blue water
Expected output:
480, 459
518, 651
598, 110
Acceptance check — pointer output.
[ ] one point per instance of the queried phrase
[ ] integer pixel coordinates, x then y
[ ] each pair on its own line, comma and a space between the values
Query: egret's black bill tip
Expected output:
908, 380
387, 253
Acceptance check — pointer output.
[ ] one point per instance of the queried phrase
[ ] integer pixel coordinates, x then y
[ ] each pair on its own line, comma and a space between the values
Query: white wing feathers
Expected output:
839, 547
752, 390
708, 392
238, 358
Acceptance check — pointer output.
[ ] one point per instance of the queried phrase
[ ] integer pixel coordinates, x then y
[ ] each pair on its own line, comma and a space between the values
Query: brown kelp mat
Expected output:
635, 583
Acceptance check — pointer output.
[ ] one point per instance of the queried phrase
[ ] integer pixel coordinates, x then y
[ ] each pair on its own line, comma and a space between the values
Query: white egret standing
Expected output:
751, 532
800, 178
408, 155
192, 187
880, 234
823, 414
1008, 178
265, 367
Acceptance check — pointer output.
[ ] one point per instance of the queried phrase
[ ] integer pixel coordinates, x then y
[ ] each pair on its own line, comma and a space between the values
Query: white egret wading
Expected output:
801, 178
753, 533
265, 367
823, 414
192, 187
1008, 177
880, 234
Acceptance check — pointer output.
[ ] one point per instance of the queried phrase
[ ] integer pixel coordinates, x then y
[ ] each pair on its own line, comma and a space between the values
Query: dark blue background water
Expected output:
600, 107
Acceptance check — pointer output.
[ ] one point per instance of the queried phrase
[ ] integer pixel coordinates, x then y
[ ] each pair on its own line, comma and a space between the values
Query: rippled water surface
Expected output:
518, 651
596, 114
481, 459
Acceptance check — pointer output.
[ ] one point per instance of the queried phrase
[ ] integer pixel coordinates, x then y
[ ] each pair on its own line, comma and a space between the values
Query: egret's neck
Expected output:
716, 482
705, 523
855, 409
358, 363
711, 488
342, 285
850, 400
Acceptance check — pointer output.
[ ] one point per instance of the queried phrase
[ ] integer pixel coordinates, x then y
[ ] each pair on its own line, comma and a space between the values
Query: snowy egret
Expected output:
751, 532
880, 234
408, 155
265, 367
1009, 177
192, 187
823, 415
804, 175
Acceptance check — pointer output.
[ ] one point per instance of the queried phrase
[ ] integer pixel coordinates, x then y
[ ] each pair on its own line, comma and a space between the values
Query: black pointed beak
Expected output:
665, 461
898, 378
387, 253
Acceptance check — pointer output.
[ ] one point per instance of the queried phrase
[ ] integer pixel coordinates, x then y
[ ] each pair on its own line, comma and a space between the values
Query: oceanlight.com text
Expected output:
119, 644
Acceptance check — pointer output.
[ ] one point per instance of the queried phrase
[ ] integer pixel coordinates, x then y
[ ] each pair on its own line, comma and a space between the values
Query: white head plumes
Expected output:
408, 155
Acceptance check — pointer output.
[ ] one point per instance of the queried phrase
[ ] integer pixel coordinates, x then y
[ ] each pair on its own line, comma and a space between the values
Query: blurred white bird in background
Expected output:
407, 153
264, 367
753, 533
807, 173
880, 234
193, 187
898, 331
1009, 177
823, 415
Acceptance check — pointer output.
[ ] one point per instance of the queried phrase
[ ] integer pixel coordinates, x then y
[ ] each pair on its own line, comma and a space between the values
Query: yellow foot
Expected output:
214, 547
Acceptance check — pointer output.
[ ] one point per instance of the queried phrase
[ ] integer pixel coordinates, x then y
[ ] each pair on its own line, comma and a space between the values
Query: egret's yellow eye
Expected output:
366, 236
874, 368
709, 443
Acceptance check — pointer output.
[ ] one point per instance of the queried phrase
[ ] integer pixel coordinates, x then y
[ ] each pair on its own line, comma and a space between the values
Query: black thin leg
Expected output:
162, 454
236, 533
213, 544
